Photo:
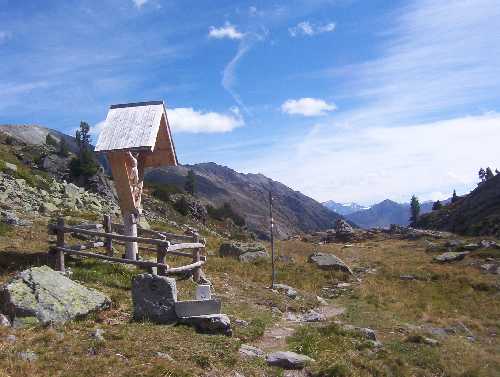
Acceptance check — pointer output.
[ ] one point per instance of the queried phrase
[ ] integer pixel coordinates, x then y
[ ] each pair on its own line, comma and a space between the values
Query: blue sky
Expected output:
347, 100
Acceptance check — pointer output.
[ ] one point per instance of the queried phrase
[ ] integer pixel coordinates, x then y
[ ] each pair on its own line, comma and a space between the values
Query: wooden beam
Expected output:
181, 246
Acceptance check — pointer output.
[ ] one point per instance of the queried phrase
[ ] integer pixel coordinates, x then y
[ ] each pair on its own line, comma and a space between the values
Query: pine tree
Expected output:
481, 174
415, 210
83, 136
85, 166
436, 205
190, 184
63, 148
488, 174
454, 198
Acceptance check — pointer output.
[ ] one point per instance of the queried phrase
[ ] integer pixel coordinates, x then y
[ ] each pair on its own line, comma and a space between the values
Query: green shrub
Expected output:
182, 206
164, 191
5, 229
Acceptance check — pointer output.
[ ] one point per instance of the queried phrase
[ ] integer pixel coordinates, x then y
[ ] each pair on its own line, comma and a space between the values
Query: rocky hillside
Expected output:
36, 135
247, 194
477, 213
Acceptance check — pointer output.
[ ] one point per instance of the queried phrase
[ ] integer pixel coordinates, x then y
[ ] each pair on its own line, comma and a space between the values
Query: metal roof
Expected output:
132, 126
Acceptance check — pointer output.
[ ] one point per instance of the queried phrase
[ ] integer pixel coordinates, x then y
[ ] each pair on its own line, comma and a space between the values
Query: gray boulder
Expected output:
450, 256
344, 231
4, 321
471, 247
235, 249
215, 324
253, 256
42, 295
489, 244
154, 298
329, 262
288, 360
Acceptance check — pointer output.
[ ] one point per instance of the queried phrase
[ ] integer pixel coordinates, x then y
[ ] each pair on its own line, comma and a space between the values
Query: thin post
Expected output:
108, 243
161, 255
273, 273
60, 243
196, 258
130, 227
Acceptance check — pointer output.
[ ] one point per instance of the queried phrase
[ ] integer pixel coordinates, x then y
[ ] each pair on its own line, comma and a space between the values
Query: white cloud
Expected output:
308, 107
139, 3
371, 164
226, 31
309, 29
186, 119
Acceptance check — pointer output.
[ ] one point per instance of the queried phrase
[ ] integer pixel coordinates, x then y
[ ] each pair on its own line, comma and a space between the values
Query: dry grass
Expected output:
443, 296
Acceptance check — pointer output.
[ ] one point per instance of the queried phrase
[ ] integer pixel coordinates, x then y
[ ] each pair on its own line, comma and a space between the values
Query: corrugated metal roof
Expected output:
131, 126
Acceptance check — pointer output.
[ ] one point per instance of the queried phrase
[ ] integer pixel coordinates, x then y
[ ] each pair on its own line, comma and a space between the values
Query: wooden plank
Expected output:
89, 226
181, 246
169, 270
160, 258
119, 237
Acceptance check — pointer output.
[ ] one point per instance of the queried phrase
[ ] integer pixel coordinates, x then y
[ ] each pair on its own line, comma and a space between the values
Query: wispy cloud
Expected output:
227, 31
412, 128
308, 107
307, 28
188, 120
139, 3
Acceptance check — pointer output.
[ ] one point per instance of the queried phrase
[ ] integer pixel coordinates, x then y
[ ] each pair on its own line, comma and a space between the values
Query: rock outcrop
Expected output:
288, 360
329, 262
244, 252
42, 295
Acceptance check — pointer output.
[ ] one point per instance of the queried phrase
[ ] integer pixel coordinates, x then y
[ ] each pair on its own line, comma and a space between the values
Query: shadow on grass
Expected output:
12, 260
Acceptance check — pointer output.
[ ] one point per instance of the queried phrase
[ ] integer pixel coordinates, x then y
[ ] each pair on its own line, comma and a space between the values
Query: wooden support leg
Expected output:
161, 258
130, 229
196, 258
108, 244
60, 242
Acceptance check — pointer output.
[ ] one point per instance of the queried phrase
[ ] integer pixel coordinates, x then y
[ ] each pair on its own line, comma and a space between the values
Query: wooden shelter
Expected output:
135, 136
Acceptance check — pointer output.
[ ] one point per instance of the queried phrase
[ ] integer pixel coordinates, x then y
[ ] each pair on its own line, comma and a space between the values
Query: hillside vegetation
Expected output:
477, 213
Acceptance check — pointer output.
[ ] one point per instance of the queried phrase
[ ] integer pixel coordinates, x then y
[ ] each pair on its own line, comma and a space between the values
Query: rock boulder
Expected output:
288, 360
329, 262
154, 298
42, 295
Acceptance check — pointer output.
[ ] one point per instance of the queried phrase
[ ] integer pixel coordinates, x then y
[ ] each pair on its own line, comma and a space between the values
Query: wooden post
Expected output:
108, 244
273, 273
161, 258
130, 229
196, 258
60, 243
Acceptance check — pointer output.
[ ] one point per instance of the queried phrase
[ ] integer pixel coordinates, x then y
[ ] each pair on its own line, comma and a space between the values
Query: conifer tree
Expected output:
481, 174
415, 210
190, 184
436, 205
454, 198
488, 174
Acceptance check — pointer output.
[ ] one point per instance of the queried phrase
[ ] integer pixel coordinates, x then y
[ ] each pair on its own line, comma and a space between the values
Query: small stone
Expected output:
251, 351
289, 291
407, 277
98, 335
11, 338
241, 322
313, 316
321, 300
471, 247
163, 355
4, 321
367, 333
450, 256
288, 360
28, 356
430, 341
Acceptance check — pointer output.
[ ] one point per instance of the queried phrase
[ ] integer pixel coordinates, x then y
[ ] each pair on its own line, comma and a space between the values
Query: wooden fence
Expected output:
161, 243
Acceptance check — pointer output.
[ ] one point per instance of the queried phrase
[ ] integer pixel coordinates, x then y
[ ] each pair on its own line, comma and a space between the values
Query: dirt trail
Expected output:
274, 338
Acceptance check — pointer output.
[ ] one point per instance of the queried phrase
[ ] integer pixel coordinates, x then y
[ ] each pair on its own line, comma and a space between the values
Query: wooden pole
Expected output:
160, 258
60, 243
130, 229
273, 273
196, 258
108, 244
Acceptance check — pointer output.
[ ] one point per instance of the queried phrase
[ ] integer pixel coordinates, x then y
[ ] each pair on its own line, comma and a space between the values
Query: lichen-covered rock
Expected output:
450, 256
286, 289
253, 256
154, 298
329, 262
44, 295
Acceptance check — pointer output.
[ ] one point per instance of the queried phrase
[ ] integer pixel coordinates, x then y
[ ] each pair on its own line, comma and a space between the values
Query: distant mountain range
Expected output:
380, 215
344, 208
248, 195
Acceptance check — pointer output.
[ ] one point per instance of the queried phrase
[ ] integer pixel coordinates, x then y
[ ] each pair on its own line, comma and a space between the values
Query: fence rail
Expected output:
107, 230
